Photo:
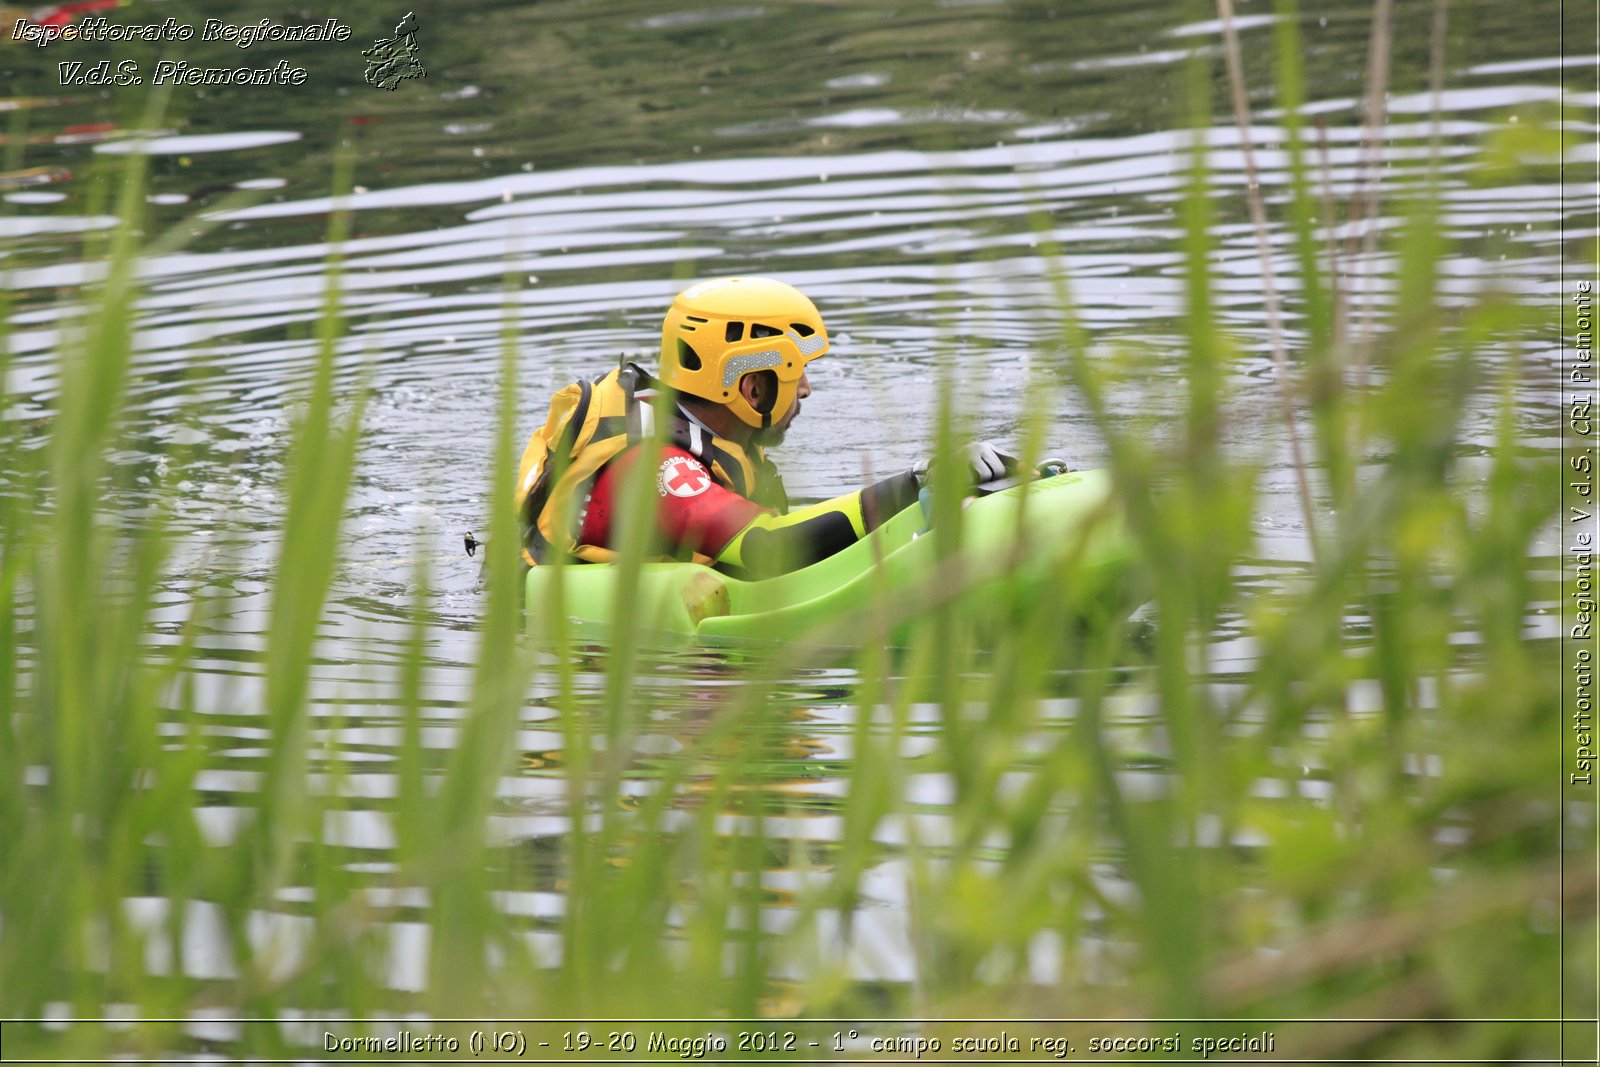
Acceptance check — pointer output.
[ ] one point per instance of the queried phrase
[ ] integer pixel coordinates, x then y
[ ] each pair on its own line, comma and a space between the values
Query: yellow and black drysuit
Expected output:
721, 504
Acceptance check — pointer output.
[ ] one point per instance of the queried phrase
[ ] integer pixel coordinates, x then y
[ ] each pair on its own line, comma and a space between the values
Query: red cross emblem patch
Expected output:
682, 476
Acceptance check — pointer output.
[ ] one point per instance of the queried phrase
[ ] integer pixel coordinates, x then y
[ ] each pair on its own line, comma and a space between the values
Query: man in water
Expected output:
733, 355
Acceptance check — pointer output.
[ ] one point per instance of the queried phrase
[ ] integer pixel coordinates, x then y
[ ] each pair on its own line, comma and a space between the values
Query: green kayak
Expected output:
1057, 537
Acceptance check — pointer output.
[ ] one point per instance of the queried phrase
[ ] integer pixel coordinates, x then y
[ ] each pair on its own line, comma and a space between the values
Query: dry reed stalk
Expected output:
1441, 13
1269, 283
1341, 307
1364, 212
1349, 944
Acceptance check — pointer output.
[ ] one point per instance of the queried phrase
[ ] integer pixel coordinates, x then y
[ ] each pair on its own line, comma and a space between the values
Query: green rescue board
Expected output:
1058, 538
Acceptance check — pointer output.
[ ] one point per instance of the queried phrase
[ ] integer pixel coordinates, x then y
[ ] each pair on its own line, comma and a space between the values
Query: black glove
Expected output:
987, 461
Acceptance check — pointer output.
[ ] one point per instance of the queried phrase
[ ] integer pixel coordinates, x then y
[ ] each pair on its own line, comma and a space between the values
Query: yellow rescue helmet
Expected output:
719, 330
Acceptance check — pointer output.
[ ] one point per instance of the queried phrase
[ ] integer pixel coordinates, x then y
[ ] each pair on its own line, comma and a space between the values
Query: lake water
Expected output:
900, 163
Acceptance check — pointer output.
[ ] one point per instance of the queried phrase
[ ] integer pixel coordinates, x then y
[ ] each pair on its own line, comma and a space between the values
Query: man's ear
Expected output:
759, 391
747, 389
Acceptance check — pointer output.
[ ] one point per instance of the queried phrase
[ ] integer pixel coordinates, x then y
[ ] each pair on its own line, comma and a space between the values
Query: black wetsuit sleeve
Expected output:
773, 544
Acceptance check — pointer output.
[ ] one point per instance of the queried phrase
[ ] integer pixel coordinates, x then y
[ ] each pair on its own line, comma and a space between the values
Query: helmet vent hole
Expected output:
759, 330
688, 358
735, 332
802, 329
696, 318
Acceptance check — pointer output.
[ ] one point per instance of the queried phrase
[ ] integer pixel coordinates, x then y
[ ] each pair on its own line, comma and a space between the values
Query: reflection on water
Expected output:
923, 185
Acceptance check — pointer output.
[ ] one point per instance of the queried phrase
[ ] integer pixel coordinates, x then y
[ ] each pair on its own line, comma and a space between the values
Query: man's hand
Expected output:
987, 461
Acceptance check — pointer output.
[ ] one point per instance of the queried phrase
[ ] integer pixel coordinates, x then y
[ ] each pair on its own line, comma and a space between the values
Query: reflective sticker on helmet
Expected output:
808, 346
741, 365
682, 476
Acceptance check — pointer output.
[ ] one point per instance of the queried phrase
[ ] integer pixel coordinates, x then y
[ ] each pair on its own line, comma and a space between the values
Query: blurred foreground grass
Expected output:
1364, 826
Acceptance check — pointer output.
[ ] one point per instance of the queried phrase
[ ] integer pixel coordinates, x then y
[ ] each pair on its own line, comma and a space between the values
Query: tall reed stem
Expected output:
1365, 211
1269, 282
